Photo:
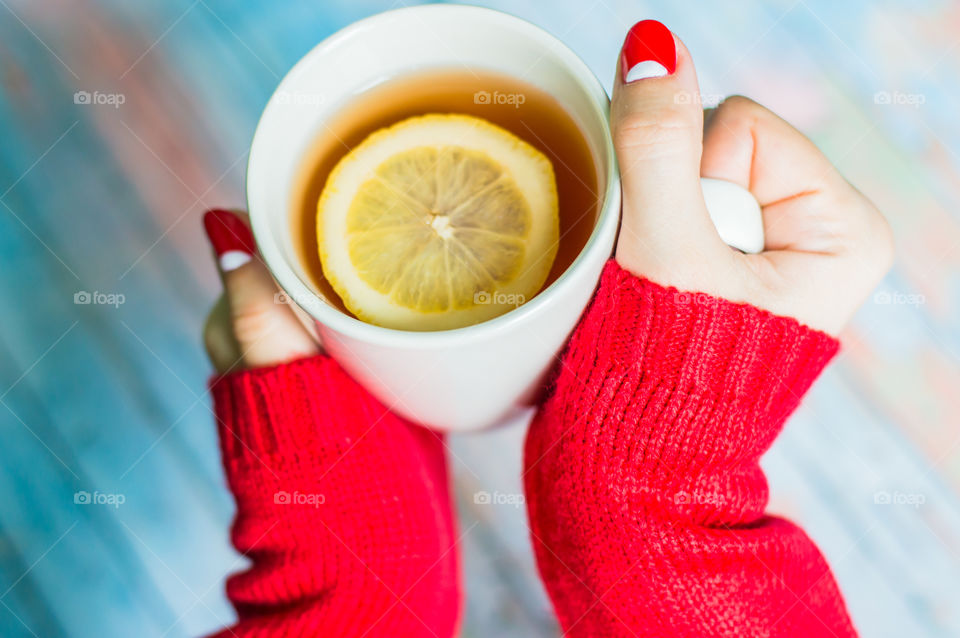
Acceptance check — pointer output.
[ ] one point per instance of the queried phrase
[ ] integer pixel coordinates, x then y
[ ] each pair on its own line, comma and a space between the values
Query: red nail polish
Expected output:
231, 239
648, 52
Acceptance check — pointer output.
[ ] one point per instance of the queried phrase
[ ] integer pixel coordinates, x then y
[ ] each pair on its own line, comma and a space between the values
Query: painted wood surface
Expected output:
108, 398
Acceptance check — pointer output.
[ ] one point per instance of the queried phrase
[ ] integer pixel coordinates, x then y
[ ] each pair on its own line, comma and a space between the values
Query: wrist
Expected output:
683, 389
267, 412
697, 339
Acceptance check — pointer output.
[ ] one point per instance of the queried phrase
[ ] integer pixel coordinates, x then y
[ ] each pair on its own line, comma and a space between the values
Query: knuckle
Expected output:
741, 109
666, 126
253, 323
739, 103
882, 244
872, 242
217, 338
211, 333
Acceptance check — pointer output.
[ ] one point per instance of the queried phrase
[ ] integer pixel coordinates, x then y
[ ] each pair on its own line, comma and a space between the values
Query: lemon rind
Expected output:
525, 164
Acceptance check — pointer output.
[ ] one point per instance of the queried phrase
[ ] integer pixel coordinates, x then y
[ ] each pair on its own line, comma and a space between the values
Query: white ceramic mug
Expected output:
470, 377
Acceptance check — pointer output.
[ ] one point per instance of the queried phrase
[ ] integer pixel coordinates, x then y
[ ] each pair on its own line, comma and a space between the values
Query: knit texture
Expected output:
645, 496
342, 507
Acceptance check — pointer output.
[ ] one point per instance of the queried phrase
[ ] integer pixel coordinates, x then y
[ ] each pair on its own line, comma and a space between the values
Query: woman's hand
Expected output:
250, 326
343, 508
827, 246
642, 476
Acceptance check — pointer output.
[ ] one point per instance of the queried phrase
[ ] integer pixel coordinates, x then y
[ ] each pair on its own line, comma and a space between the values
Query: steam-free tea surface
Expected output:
526, 111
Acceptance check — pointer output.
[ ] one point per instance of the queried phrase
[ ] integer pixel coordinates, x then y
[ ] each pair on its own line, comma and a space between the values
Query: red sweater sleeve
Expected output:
342, 508
645, 496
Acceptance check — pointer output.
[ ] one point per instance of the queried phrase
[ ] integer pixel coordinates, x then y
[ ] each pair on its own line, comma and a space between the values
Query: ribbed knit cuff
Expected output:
686, 389
342, 507
283, 409
697, 343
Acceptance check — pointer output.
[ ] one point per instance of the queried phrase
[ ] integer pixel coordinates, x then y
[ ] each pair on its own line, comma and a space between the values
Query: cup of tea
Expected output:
439, 59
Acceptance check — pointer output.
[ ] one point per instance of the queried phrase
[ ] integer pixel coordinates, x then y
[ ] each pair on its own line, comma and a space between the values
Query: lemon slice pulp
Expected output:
438, 222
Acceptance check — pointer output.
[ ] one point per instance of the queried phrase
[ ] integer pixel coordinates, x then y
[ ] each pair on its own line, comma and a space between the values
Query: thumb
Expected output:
263, 325
657, 126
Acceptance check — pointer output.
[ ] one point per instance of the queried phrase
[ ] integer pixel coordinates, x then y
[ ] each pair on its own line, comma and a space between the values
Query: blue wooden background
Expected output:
101, 201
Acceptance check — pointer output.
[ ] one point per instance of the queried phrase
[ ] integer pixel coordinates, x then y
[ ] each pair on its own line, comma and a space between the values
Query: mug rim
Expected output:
328, 316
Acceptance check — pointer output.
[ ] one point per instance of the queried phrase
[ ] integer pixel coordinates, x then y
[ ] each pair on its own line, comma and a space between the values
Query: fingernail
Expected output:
648, 52
231, 239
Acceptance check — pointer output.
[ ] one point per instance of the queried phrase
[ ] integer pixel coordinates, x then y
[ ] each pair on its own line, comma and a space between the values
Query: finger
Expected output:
708, 114
266, 330
221, 345
750, 145
794, 182
818, 228
657, 125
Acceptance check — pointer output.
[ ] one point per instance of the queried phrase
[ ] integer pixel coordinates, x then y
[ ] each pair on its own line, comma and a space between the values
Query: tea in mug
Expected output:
443, 198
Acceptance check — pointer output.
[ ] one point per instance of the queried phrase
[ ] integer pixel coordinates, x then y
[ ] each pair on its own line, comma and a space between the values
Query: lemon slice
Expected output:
438, 222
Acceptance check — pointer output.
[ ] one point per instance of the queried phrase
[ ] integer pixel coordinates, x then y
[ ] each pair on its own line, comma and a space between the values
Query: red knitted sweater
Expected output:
642, 480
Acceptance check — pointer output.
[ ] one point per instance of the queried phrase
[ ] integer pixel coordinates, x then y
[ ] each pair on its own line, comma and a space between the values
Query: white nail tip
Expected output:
233, 259
646, 69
